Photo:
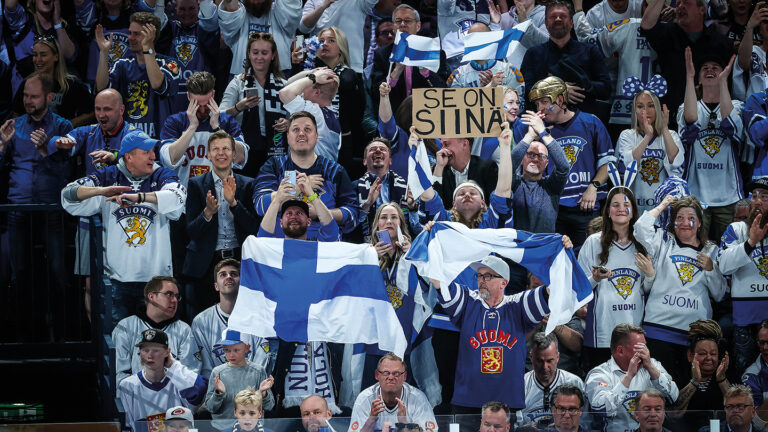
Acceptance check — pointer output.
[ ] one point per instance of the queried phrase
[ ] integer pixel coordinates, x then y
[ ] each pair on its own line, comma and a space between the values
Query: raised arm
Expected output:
504, 182
690, 110
651, 15
385, 107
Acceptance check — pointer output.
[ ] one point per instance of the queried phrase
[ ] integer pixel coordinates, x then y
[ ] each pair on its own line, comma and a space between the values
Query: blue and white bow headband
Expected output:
656, 85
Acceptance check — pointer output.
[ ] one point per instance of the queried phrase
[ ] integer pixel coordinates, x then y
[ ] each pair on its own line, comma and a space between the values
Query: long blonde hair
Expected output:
658, 124
60, 74
341, 41
386, 261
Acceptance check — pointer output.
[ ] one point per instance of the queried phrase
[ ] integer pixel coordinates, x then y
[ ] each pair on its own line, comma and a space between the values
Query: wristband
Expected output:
724, 379
116, 153
595, 183
236, 109
218, 128
138, 198
57, 26
543, 133
309, 199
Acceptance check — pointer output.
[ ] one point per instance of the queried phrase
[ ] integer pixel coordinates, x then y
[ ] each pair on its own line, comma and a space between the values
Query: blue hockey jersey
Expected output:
492, 351
145, 107
587, 147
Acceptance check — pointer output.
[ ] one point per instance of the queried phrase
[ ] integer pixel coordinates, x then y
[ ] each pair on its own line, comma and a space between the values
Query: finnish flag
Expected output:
496, 45
449, 247
419, 173
412, 50
304, 291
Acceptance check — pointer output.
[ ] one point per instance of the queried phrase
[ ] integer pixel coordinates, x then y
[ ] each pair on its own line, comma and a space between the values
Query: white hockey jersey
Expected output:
416, 404
636, 57
534, 410
712, 154
618, 299
207, 328
141, 398
749, 274
681, 290
127, 334
139, 235
609, 398
653, 167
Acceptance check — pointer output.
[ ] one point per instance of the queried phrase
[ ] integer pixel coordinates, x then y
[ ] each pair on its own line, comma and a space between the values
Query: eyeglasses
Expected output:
407, 21
569, 411
169, 294
408, 426
395, 374
737, 407
486, 276
536, 156
260, 35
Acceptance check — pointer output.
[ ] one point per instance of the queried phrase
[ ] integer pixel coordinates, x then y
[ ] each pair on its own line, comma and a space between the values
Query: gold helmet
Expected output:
550, 87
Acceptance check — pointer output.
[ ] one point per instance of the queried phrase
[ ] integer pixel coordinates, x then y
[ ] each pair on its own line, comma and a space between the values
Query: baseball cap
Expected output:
230, 337
761, 183
179, 413
494, 263
294, 203
153, 336
136, 140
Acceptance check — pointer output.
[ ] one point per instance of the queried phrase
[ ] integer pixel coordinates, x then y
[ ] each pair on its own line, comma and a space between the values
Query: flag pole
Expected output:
389, 72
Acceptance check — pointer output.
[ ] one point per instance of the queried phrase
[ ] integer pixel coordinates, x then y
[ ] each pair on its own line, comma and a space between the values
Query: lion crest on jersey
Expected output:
623, 285
196, 170
687, 267
491, 359
135, 222
623, 280
185, 51
711, 145
395, 296
630, 403
762, 265
572, 146
137, 107
649, 170
119, 47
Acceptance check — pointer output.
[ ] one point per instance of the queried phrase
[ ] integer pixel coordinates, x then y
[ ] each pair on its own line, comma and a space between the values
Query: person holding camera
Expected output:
162, 382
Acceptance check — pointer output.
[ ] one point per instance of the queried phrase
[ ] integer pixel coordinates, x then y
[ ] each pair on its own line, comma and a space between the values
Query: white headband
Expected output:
468, 183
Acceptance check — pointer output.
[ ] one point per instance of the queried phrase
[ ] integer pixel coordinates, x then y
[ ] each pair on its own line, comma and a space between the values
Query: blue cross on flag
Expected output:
304, 291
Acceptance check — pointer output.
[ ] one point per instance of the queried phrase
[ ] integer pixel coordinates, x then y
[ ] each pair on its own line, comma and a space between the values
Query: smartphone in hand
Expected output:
384, 237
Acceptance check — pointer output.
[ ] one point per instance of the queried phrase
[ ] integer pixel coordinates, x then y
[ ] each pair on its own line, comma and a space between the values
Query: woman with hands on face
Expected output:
686, 280
621, 273
708, 382
658, 151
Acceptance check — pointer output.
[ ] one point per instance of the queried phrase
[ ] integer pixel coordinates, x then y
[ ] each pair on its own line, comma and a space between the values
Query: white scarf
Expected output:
307, 377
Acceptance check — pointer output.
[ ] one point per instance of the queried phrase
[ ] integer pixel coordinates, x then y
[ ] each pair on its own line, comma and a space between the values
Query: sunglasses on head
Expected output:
45, 37
260, 35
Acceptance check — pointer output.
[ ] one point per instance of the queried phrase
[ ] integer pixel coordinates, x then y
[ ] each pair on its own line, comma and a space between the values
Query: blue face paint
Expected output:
506, 107
551, 108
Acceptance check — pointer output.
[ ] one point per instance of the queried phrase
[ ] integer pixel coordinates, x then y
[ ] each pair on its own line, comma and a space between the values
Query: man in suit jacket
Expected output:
404, 78
219, 218
456, 164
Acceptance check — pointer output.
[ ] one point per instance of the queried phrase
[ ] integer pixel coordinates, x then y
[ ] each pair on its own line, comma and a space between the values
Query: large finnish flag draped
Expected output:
449, 247
304, 291
419, 174
500, 44
412, 50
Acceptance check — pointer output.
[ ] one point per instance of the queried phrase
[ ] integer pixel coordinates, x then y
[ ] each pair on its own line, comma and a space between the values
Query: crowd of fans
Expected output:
637, 129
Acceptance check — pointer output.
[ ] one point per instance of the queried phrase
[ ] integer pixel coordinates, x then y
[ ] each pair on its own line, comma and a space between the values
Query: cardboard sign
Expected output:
458, 112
